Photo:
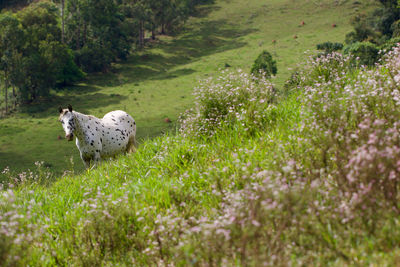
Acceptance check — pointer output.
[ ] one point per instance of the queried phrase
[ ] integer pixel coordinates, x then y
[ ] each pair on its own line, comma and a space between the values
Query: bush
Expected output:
320, 69
329, 47
324, 68
368, 53
264, 65
229, 98
395, 29
389, 45
353, 122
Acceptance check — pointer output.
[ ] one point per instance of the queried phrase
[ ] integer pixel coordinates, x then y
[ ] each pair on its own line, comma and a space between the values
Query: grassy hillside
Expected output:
251, 178
158, 82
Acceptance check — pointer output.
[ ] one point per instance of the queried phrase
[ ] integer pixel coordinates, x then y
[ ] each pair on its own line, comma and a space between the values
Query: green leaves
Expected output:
264, 65
33, 58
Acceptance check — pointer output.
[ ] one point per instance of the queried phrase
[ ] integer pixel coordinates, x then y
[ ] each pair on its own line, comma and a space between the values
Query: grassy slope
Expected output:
149, 182
157, 177
157, 82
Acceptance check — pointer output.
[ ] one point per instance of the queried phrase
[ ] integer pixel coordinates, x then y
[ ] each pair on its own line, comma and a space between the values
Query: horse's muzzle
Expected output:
69, 137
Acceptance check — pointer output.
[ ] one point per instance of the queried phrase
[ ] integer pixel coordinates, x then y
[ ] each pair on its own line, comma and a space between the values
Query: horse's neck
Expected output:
80, 122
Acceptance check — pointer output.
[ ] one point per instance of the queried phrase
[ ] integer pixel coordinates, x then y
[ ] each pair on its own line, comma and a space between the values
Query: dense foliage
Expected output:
12, 3
366, 52
377, 30
377, 26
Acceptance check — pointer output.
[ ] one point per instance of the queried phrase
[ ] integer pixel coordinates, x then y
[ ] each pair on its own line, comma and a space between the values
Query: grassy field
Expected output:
157, 83
311, 179
251, 179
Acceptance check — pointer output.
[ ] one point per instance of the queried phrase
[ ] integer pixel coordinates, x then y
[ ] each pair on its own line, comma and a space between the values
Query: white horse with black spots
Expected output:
97, 138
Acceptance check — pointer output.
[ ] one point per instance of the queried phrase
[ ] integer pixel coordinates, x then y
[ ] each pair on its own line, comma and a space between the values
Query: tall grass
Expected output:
309, 180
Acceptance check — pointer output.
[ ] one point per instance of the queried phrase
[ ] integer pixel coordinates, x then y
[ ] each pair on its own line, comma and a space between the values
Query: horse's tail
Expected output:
131, 147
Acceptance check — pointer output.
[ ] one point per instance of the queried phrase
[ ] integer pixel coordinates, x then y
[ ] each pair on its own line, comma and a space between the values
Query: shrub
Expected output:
351, 129
329, 47
368, 53
230, 98
395, 29
325, 68
320, 69
264, 65
389, 45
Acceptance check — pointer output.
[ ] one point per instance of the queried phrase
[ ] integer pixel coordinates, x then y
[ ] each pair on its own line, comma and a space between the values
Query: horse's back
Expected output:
119, 118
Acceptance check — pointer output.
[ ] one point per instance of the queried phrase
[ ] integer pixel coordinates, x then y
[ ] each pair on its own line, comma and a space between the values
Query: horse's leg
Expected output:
96, 159
85, 161
131, 146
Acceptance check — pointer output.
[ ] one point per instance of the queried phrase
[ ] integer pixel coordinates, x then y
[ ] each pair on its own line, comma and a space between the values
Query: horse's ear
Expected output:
60, 109
69, 107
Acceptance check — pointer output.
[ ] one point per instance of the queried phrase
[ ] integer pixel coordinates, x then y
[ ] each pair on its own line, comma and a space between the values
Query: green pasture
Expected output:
157, 83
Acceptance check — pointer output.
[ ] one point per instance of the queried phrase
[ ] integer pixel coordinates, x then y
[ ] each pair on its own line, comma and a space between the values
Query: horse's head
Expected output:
67, 120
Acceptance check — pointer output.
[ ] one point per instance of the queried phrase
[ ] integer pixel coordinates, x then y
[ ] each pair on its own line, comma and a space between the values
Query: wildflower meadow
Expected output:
254, 177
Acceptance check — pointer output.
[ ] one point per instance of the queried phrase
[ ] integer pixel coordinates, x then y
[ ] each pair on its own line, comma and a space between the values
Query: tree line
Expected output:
47, 44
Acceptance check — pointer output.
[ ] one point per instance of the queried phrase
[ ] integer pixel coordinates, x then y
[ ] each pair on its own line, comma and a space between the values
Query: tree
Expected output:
46, 61
61, 60
40, 26
264, 64
11, 41
96, 31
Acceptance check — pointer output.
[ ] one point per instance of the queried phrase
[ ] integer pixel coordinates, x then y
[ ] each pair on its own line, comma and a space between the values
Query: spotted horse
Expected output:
97, 138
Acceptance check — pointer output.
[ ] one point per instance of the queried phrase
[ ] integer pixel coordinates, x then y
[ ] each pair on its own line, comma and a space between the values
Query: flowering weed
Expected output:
232, 97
